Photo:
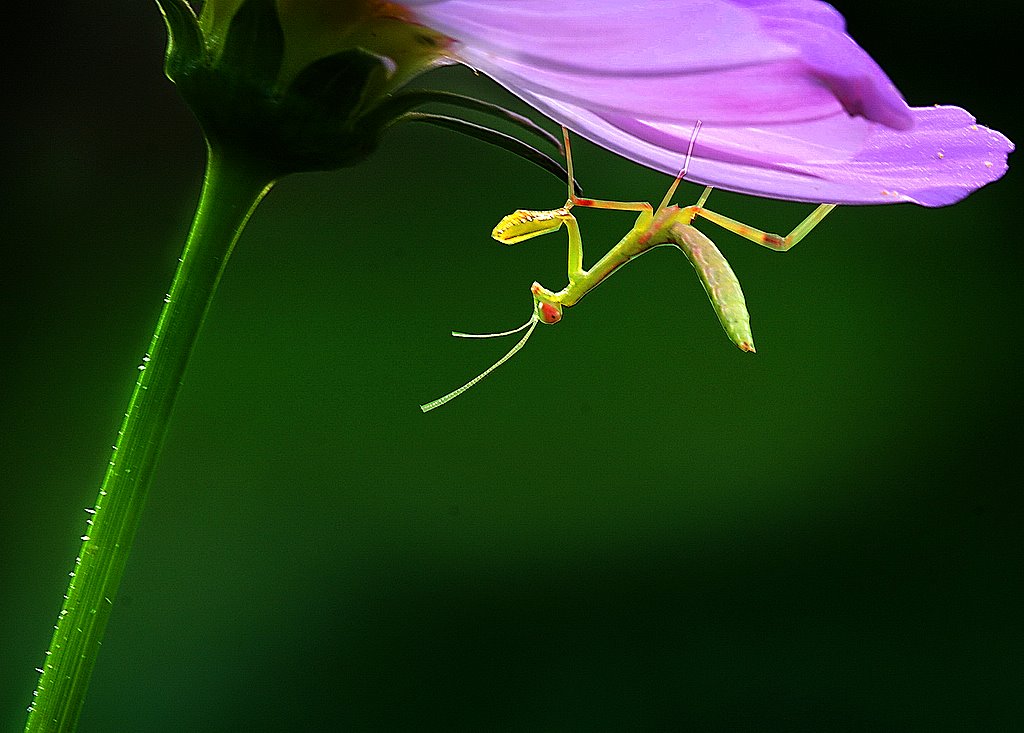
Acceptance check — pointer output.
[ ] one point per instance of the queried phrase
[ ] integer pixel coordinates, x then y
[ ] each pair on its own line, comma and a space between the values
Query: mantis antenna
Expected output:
529, 325
461, 335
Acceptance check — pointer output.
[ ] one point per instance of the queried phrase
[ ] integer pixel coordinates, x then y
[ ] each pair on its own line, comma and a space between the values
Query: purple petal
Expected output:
781, 60
943, 158
646, 37
834, 59
752, 94
791, 107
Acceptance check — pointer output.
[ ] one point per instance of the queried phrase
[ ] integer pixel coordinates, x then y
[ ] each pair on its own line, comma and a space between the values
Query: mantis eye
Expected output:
549, 313
544, 310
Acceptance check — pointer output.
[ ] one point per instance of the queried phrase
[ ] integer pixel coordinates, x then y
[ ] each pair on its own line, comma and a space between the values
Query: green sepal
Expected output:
499, 139
318, 118
184, 39
406, 101
337, 83
255, 43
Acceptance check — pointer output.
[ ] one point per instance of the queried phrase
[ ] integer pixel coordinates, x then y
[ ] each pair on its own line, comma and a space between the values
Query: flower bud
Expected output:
291, 83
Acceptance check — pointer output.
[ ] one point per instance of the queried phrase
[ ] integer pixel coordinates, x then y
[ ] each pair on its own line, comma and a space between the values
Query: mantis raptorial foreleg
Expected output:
653, 228
524, 224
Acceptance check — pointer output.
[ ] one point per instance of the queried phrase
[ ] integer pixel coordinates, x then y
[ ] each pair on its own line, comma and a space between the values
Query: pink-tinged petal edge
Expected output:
800, 112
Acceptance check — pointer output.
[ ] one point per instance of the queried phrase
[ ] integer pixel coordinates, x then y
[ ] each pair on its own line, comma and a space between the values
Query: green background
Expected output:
631, 526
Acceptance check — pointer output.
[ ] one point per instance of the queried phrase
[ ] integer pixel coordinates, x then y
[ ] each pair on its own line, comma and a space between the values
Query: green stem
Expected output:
231, 190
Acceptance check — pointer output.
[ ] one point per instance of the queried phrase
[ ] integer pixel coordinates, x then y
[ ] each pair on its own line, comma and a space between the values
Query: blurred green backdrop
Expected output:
631, 526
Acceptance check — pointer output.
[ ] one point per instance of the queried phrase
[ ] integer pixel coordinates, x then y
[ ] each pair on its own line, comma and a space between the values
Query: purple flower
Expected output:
791, 106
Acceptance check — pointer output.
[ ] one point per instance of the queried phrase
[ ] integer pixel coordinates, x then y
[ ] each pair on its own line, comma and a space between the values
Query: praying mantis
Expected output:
654, 227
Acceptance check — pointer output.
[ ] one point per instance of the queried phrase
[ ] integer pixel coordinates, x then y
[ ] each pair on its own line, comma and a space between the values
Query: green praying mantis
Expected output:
654, 227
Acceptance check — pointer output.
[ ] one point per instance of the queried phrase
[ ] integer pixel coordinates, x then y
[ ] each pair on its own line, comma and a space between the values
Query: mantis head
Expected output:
546, 306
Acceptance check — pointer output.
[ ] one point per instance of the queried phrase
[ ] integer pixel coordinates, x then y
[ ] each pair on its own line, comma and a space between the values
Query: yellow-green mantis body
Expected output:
665, 225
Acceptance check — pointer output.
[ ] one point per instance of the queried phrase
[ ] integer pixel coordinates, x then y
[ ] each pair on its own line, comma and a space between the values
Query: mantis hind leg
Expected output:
767, 239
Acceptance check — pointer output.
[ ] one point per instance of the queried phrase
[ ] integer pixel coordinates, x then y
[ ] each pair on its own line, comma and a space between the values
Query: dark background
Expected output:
631, 526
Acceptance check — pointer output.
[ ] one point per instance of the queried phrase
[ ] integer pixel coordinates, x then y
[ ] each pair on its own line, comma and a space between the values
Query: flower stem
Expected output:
231, 190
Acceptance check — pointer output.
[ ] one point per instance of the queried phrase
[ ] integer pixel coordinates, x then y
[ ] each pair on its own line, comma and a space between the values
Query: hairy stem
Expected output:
231, 190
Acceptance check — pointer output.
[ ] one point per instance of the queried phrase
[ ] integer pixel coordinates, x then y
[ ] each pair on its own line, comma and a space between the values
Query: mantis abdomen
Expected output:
720, 282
